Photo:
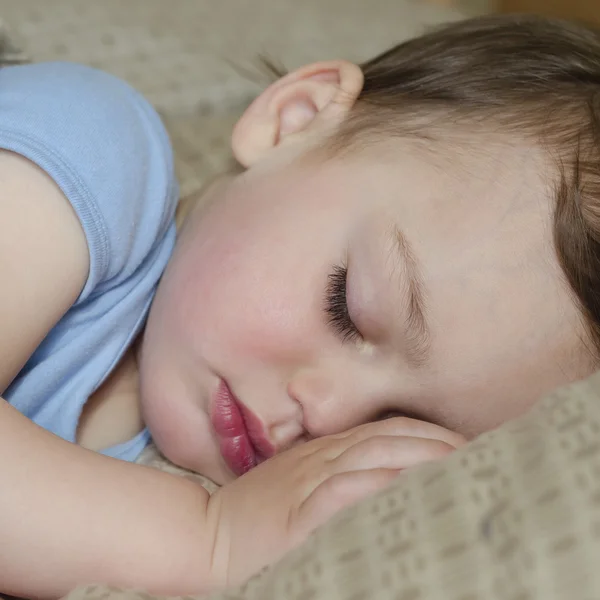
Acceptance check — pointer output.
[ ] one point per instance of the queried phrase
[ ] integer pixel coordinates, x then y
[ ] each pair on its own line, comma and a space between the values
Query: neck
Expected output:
112, 414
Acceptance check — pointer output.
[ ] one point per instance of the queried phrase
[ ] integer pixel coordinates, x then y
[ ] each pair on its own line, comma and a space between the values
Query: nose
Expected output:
329, 403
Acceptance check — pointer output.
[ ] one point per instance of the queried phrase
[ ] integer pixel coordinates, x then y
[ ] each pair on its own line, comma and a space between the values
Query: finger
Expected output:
389, 452
338, 492
404, 426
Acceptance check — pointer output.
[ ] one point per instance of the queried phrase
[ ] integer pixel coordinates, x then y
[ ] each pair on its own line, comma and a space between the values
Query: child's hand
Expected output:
271, 509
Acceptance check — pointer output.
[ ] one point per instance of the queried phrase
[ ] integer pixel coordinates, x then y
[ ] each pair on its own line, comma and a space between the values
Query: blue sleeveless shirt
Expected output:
106, 148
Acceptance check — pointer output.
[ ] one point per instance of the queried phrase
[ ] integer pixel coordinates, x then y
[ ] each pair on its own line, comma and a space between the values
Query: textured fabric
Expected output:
108, 151
194, 55
11, 53
514, 515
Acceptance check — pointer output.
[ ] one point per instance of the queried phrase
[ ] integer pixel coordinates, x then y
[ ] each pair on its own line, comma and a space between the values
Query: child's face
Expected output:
244, 299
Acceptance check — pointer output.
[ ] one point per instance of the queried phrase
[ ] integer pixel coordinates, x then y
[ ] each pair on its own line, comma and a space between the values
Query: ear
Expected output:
316, 96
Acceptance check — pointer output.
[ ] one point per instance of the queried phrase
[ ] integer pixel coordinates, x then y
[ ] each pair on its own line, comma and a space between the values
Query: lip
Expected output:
242, 440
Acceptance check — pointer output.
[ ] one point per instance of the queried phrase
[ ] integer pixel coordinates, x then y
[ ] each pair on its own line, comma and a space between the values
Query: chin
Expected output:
180, 456
216, 474
221, 477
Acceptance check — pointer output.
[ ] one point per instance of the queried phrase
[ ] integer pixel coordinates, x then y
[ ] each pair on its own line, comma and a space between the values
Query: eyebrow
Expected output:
418, 336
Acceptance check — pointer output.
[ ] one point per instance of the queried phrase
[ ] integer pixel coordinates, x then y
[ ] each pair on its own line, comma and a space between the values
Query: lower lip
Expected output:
231, 428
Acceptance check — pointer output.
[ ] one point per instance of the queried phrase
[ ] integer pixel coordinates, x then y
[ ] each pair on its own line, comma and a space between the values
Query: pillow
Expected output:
513, 515
201, 145
11, 52
186, 55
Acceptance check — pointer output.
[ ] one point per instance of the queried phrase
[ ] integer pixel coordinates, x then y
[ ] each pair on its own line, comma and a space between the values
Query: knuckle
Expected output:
371, 451
370, 447
336, 488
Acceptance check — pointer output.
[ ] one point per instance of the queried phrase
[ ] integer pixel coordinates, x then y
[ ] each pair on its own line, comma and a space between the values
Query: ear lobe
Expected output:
318, 95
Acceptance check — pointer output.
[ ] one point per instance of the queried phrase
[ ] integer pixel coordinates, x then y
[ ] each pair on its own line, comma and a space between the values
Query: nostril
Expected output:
300, 440
287, 435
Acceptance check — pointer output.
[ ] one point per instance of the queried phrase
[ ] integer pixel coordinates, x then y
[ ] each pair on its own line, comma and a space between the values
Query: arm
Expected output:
69, 516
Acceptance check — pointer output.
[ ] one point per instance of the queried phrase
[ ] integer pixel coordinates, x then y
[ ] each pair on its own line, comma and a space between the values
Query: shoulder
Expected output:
104, 146
75, 94
65, 98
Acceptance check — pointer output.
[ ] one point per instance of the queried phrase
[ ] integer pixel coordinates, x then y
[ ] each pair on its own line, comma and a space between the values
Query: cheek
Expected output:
171, 412
244, 290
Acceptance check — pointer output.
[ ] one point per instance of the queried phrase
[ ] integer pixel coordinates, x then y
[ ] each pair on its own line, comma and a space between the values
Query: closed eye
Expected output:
336, 306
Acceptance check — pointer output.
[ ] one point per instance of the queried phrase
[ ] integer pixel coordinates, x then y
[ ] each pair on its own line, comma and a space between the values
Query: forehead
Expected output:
453, 174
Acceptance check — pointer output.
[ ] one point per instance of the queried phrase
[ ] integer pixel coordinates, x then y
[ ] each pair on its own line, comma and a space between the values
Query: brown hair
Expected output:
529, 75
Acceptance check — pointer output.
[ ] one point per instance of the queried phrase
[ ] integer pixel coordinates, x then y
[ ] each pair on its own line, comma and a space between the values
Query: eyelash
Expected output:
336, 305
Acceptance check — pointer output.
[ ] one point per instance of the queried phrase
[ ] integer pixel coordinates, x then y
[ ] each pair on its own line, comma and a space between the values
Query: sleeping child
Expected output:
410, 257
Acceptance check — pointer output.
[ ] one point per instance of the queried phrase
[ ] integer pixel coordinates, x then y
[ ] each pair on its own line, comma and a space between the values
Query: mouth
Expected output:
242, 440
